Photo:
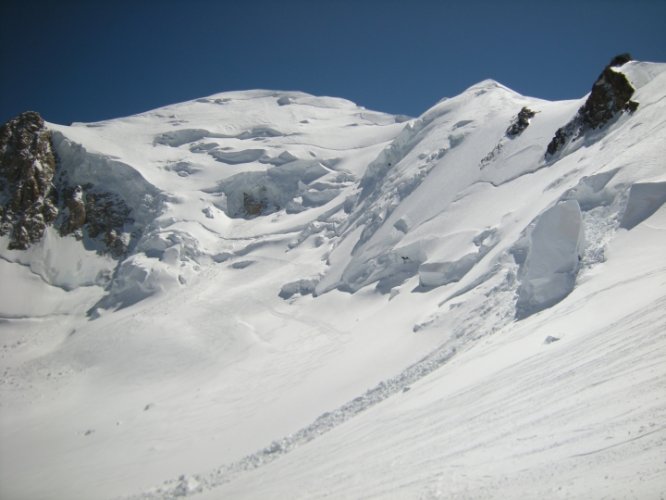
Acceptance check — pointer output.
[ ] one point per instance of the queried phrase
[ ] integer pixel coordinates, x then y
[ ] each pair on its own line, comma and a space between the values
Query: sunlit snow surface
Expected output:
359, 339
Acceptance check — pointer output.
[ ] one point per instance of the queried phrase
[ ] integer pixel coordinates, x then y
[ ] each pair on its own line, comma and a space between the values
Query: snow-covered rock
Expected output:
611, 95
228, 281
27, 168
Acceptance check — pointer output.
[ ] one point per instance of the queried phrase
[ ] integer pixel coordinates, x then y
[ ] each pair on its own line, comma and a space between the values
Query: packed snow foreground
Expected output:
273, 295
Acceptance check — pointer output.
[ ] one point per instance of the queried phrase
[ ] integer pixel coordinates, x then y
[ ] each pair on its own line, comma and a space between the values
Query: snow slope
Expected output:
325, 301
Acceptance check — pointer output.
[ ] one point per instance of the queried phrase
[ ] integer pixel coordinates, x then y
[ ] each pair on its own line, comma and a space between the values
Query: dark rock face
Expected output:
620, 59
106, 215
610, 96
253, 206
75, 213
520, 123
34, 194
27, 167
97, 215
562, 136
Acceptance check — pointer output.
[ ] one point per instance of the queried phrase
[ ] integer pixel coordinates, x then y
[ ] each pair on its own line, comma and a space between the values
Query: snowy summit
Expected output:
269, 294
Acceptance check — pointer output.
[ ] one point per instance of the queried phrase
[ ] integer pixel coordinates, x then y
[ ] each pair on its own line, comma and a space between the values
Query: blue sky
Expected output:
93, 60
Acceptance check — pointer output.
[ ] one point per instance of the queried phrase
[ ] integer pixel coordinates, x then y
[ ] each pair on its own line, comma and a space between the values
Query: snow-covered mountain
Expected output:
275, 295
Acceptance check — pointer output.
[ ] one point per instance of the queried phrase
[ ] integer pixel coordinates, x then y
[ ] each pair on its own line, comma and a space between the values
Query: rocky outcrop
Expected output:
518, 125
610, 96
35, 194
520, 122
75, 212
27, 168
96, 215
106, 216
254, 206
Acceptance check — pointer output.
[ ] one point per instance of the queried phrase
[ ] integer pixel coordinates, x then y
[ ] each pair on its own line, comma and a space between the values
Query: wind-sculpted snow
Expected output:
590, 192
433, 274
180, 137
416, 179
83, 167
236, 157
251, 194
186, 136
303, 287
126, 186
317, 300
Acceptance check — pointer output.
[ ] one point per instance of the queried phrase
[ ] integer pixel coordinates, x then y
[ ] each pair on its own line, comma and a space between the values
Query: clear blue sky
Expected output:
93, 60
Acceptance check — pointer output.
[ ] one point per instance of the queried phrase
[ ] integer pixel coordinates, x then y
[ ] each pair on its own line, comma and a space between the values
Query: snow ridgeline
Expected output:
409, 220
451, 234
116, 180
400, 220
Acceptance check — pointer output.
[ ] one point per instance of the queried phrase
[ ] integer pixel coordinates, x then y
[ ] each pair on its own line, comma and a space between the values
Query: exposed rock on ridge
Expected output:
27, 167
35, 193
97, 215
520, 123
611, 95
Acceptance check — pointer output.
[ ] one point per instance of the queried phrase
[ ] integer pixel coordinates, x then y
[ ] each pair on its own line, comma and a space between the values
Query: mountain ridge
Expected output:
228, 281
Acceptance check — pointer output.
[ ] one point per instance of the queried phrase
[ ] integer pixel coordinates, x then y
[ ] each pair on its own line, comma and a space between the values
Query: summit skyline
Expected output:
91, 61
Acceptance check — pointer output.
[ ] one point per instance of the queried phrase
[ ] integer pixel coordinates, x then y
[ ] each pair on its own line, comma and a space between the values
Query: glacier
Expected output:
297, 297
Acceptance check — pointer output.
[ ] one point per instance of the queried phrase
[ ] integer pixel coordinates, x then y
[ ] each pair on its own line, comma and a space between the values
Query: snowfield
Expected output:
325, 301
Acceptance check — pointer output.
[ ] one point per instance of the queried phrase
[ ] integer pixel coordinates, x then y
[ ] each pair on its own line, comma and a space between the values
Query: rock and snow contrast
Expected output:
274, 295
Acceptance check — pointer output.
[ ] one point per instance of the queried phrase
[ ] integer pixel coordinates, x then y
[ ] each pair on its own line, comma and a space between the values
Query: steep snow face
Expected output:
317, 300
193, 175
416, 194
457, 188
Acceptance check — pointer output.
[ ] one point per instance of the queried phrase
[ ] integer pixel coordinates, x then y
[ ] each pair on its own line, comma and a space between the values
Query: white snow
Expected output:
358, 337
644, 200
548, 273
